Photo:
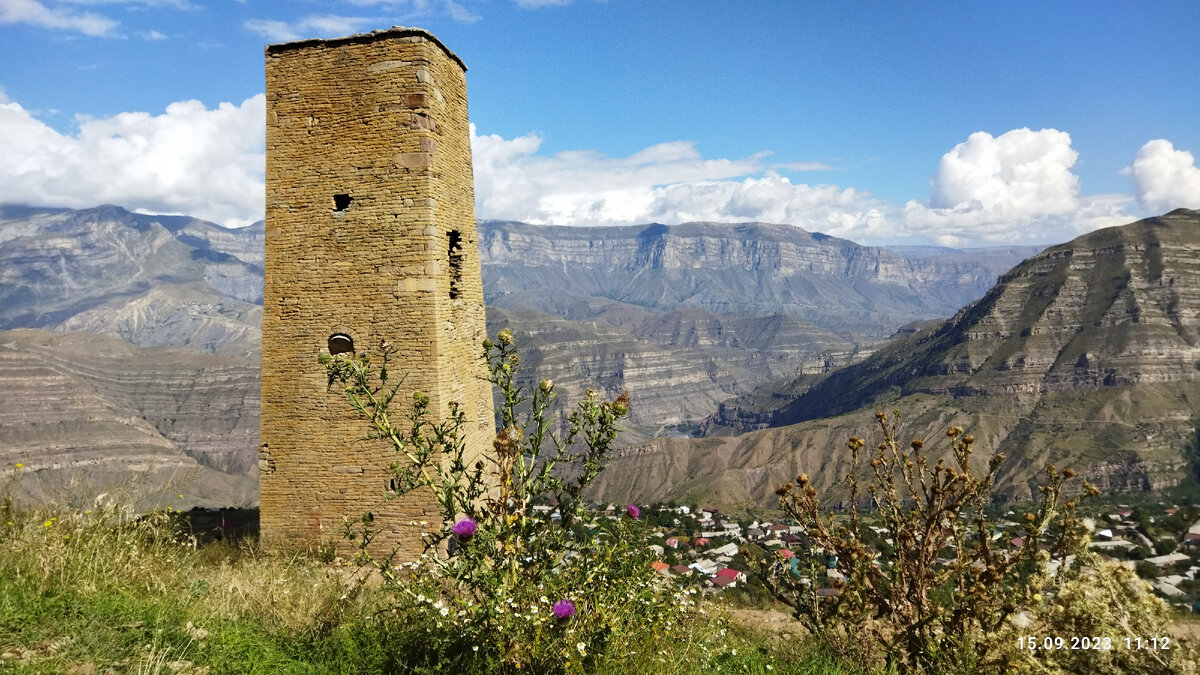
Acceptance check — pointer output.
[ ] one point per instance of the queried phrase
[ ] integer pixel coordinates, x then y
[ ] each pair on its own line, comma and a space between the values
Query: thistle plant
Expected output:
947, 580
519, 584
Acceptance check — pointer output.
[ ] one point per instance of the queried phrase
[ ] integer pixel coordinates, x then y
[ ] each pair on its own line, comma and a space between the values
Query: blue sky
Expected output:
939, 122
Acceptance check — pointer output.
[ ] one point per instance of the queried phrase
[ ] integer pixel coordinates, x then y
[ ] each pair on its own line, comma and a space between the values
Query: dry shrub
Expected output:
949, 593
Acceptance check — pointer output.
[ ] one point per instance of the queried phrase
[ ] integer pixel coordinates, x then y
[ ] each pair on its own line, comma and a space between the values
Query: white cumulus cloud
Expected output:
670, 182
1016, 174
36, 13
312, 26
1014, 187
1165, 178
189, 160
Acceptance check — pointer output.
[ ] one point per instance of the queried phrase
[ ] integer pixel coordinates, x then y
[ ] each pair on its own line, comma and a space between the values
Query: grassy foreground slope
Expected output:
102, 591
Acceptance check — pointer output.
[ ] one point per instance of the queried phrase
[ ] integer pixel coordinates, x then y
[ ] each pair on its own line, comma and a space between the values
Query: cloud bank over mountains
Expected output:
187, 160
1017, 187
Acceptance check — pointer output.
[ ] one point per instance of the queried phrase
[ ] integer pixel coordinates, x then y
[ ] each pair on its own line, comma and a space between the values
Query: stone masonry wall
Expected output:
370, 223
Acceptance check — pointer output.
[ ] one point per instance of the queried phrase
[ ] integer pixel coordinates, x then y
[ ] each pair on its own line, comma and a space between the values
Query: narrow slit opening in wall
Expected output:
341, 203
393, 485
340, 343
455, 253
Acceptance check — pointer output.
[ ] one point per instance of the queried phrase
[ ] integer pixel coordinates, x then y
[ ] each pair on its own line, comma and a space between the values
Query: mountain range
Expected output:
1087, 355
716, 329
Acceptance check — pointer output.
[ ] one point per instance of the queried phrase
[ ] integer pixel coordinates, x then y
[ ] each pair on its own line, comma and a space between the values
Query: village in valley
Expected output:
703, 546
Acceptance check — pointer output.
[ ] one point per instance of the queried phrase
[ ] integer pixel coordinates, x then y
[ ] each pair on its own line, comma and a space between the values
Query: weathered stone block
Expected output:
413, 160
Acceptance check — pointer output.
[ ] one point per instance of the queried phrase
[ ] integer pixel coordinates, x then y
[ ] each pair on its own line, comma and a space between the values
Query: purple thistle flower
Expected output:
563, 610
633, 511
465, 529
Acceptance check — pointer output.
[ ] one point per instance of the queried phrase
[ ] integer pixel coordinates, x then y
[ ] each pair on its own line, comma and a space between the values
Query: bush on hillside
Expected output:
954, 592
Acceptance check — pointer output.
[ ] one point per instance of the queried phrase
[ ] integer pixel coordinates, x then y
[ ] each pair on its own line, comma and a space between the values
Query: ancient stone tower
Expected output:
370, 236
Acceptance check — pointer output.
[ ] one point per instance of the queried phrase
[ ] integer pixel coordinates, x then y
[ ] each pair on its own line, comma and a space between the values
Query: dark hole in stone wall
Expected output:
340, 343
456, 261
341, 202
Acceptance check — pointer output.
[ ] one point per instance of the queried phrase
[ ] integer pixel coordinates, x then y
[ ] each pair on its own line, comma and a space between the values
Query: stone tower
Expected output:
370, 221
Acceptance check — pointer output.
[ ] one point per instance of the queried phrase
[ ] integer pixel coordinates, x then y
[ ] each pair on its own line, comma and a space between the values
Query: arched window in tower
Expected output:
340, 343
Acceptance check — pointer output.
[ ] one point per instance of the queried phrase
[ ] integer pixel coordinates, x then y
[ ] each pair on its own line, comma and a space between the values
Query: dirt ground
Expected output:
767, 620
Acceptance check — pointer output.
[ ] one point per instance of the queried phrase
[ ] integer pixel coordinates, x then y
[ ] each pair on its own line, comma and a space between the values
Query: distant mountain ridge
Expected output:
152, 280
1086, 355
738, 270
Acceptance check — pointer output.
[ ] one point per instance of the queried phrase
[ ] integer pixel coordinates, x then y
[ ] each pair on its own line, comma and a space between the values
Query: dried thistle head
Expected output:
1068, 473
508, 441
783, 489
917, 444
968, 439
802, 479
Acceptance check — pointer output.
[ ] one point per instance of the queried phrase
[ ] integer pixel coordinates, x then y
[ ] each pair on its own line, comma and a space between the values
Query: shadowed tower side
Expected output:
371, 235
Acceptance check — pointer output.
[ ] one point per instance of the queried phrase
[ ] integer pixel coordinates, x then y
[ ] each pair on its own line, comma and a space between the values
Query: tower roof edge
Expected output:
383, 34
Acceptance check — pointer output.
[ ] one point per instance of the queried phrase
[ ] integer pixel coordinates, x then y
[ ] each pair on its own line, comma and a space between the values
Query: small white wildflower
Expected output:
582, 648
1021, 620
445, 611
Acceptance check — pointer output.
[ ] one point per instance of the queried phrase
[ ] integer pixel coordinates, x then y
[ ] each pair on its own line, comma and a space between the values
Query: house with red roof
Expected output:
730, 573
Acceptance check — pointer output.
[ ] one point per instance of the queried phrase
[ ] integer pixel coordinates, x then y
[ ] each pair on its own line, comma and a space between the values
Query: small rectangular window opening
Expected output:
455, 253
341, 203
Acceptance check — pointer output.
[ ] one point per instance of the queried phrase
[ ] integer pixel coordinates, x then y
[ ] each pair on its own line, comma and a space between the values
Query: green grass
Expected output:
105, 590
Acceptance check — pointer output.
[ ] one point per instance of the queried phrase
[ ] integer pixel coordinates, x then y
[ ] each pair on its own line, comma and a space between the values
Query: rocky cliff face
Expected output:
1086, 355
745, 270
678, 366
86, 413
154, 280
